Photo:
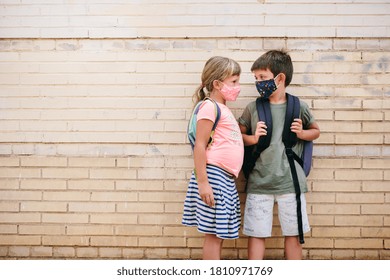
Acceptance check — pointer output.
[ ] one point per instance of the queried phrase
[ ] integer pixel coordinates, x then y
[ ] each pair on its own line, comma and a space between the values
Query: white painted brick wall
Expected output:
179, 19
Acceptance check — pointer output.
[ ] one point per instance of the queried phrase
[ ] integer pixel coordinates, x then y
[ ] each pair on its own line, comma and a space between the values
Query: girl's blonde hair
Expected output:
216, 68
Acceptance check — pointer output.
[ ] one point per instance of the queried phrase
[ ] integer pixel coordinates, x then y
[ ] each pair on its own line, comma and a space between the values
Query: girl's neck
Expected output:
216, 96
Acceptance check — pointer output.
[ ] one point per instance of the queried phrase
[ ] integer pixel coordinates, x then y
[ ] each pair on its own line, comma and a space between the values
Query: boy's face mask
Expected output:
266, 88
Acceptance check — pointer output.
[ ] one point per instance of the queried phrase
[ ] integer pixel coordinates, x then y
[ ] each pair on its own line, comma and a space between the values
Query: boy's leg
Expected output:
287, 211
292, 247
256, 248
212, 247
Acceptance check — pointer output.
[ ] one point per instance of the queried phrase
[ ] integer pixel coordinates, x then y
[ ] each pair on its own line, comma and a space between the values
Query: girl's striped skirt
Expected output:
223, 220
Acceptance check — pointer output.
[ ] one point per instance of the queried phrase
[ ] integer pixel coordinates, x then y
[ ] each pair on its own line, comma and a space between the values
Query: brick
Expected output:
9, 206
359, 243
158, 253
375, 209
112, 174
113, 241
43, 206
9, 161
179, 254
157, 219
358, 138
358, 175
117, 196
42, 184
65, 218
140, 207
91, 207
320, 254
367, 255
87, 252
91, 185
110, 252
41, 229
144, 185
165, 197
20, 173
319, 243
375, 186
64, 252
138, 230
162, 242
65, 241
41, 251
343, 254
336, 186
336, 232
66, 196
359, 198
91, 162
18, 251
20, 218
133, 253
358, 220
88, 230
336, 209
376, 163
20, 240
68, 173
117, 218
337, 163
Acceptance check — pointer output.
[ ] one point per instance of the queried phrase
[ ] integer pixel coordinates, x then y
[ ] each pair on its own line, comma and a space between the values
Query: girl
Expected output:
212, 203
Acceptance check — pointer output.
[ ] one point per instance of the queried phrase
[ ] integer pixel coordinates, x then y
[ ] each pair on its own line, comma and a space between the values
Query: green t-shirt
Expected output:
272, 174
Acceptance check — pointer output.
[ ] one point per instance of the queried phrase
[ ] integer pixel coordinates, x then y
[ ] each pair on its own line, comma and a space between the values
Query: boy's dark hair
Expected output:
277, 62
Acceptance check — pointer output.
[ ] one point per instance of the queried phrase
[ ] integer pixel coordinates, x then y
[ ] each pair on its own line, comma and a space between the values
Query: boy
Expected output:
270, 181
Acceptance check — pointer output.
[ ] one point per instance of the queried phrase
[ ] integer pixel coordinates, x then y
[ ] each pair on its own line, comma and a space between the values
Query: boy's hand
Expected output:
206, 194
296, 127
261, 130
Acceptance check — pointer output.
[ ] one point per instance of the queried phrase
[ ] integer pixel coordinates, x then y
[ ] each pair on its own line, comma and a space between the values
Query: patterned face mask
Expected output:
230, 93
266, 88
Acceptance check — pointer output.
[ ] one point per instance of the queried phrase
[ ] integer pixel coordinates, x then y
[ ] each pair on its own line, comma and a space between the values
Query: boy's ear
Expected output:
282, 79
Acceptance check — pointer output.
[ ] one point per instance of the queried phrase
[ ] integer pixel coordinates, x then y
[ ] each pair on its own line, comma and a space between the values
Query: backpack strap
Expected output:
264, 114
253, 152
217, 112
290, 139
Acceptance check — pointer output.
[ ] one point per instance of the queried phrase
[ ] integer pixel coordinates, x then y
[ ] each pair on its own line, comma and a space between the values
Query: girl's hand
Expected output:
261, 130
296, 127
206, 194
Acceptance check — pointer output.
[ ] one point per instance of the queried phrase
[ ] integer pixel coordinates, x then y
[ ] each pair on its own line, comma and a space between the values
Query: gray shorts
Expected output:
259, 214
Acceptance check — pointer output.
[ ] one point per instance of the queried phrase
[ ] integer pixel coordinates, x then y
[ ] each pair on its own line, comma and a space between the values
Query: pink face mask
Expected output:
230, 93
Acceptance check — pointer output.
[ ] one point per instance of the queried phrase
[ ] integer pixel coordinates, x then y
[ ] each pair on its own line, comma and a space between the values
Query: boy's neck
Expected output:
278, 97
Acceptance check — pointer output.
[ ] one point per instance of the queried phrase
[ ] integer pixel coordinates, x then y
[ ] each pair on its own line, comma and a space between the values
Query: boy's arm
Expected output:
250, 140
310, 134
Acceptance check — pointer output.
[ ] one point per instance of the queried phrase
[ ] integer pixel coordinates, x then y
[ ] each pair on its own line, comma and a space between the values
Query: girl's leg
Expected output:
256, 248
292, 247
212, 247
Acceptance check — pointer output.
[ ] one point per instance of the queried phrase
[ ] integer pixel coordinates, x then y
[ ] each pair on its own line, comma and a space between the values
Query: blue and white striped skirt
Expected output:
223, 220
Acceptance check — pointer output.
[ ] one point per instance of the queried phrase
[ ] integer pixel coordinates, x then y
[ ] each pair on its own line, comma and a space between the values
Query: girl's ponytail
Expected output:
199, 94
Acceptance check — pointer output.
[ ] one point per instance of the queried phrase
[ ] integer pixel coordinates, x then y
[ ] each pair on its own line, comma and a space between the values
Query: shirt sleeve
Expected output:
245, 118
306, 115
206, 111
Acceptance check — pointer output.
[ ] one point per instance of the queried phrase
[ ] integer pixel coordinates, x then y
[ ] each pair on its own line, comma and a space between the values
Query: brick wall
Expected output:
95, 99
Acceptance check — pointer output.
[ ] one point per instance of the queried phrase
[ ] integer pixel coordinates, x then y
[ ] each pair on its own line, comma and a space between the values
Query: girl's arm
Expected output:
203, 131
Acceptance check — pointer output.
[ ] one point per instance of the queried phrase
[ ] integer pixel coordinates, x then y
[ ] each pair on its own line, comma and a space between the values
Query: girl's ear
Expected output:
217, 85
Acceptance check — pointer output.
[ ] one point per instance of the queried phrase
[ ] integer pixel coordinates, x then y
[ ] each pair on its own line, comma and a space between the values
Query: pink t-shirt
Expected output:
227, 149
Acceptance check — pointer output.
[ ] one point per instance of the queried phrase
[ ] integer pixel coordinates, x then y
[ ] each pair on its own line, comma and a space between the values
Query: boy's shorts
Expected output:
259, 214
